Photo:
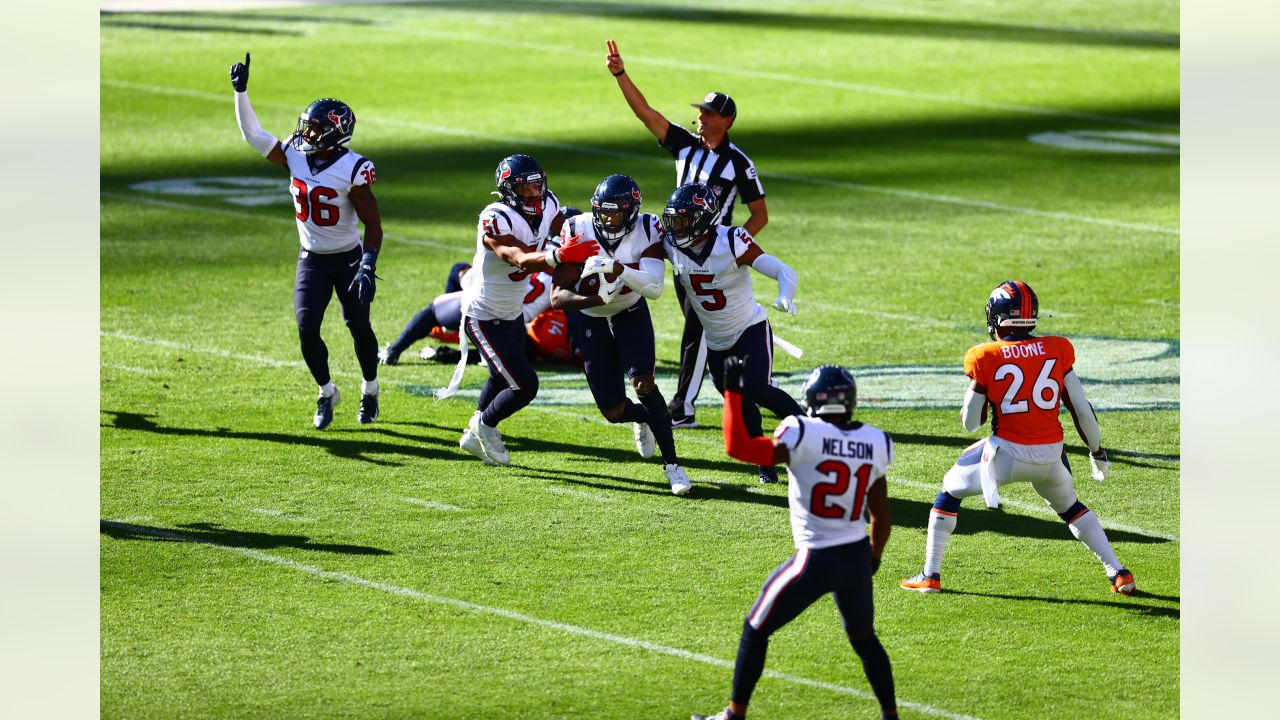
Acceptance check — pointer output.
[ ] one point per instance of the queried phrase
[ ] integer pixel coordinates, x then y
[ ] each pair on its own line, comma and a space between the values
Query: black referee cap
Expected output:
718, 102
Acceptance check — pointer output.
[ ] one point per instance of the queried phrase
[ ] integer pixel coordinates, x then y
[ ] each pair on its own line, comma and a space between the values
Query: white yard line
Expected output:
279, 219
861, 187
786, 78
686, 438
281, 515
432, 504
580, 494
520, 617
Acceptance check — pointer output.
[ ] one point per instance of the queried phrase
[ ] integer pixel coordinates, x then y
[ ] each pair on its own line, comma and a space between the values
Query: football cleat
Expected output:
645, 441
683, 421
471, 441
923, 583
1123, 583
490, 440
680, 483
722, 715
368, 409
768, 475
387, 356
324, 410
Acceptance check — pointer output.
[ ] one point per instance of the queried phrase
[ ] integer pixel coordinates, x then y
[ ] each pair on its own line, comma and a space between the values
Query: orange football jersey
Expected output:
1023, 378
550, 335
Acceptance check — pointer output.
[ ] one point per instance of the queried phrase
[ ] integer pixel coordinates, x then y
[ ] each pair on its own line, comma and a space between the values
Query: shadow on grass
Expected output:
331, 441
214, 534
111, 22
1120, 602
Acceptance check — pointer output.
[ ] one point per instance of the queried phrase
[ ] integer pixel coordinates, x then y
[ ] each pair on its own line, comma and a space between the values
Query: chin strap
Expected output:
755, 450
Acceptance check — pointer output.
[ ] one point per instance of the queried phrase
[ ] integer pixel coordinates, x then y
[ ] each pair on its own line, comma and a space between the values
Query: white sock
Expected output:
1089, 531
369, 387
941, 525
328, 389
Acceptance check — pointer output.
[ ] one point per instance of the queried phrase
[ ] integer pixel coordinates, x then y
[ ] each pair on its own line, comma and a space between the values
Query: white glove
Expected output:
597, 265
1099, 467
785, 304
610, 290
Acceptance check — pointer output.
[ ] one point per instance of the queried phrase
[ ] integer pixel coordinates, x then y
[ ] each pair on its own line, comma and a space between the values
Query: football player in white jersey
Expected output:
511, 243
611, 290
839, 520
712, 262
331, 189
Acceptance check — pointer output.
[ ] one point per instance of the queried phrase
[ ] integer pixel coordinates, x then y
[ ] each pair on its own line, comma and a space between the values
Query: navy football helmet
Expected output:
522, 184
830, 390
691, 212
325, 124
1012, 307
615, 206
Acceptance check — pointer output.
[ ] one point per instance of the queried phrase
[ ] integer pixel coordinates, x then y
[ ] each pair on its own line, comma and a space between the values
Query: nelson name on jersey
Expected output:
841, 447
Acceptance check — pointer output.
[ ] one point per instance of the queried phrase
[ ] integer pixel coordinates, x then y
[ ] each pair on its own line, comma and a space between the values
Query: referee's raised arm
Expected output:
651, 118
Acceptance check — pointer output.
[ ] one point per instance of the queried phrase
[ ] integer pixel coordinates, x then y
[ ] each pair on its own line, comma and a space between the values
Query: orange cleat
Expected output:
923, 583
1123, 583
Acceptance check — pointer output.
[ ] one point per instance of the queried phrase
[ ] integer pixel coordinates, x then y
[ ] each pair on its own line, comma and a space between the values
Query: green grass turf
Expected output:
849, 110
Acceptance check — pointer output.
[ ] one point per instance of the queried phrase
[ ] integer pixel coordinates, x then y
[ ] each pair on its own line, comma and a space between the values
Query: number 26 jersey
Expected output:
1023, 377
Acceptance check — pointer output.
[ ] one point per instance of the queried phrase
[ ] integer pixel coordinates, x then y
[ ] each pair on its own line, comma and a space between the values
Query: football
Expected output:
591, 285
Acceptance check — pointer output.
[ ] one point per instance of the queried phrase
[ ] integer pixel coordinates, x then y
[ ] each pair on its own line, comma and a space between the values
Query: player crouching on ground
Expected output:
712, 263
836, 469
1022, 378
611, 290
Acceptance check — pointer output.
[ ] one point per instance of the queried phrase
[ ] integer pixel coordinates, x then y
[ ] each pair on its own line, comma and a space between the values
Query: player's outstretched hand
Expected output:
734, 367
1099, 465
597, 265
240, 75
362, 285
613, 60
785, 304
576, 252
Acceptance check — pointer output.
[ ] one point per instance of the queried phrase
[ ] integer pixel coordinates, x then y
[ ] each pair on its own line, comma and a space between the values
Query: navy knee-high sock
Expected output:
660, 424
875, 663
752, 649
418, 328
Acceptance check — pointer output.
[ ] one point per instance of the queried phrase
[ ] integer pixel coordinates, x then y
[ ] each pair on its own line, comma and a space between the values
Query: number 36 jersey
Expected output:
718, 288
1023, 377
832, 468
327, 221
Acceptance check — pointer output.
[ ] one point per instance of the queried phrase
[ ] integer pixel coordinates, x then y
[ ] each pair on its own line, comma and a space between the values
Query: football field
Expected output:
914, 155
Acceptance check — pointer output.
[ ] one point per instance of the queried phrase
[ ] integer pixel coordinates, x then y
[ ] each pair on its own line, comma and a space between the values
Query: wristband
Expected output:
553, 257
369, 258
620, 73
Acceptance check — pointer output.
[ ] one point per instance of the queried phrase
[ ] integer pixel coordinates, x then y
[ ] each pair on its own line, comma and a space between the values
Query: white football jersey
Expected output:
499, 291
831, 472
537, 297
327, 221
719, 289
646, 233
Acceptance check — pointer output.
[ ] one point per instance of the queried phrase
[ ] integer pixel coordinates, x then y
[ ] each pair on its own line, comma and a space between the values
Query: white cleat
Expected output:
471, 442
680, 483
490, 440
645, 441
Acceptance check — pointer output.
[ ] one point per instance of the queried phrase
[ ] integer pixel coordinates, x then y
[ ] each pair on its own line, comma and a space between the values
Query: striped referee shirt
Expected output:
726, 170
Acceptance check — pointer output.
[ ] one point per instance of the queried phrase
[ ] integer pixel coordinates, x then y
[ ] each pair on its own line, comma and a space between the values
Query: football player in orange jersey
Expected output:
1022, 378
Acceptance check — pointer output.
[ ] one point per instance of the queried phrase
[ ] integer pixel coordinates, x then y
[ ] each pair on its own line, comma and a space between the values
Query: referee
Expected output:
709, 158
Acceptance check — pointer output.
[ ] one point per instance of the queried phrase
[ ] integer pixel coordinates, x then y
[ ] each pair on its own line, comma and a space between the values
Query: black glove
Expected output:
875, 564
240, 75
734, 367
362, 284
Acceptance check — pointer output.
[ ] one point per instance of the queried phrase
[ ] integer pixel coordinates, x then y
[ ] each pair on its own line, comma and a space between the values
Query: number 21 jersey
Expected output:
832, 468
